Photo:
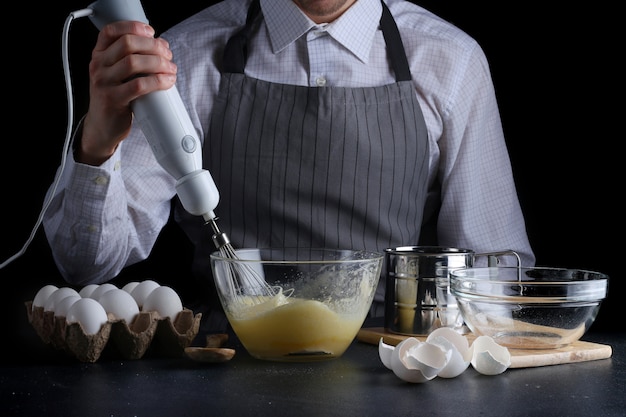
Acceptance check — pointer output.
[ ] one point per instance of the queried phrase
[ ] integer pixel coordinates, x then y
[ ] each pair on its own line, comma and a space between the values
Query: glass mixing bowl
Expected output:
296, 304
529, 307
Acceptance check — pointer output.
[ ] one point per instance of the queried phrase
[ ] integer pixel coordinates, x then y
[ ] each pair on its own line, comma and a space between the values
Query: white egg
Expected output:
142, 290
165, 301
130, 286
415, 361
488, 357
43, 294
89, 314
121, 304
57, 296
461, 354
86, 291
61, 308
384, 352
102, 288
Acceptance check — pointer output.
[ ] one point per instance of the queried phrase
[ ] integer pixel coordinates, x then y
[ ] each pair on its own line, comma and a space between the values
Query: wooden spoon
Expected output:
209, 354
213, 352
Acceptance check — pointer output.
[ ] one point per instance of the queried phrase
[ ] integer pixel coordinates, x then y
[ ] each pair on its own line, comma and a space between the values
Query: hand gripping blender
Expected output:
166, 124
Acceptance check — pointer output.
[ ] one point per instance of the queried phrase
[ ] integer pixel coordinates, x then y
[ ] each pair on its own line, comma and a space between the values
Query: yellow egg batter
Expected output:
295, 329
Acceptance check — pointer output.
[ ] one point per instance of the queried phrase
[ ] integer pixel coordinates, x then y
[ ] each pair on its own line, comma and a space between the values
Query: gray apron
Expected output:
325, 167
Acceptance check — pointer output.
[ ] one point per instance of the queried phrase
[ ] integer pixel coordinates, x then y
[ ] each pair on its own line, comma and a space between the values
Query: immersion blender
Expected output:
162, 117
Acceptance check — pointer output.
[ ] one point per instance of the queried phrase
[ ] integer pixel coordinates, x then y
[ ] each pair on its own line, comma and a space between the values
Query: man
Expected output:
338, 123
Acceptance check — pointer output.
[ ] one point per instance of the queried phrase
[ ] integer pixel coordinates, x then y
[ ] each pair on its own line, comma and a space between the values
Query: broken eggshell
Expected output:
384, 352
488, 357
415, 361
444, 353
458, 346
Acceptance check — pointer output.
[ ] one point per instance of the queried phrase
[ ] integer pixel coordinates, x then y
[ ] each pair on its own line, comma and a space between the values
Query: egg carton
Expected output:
163, 336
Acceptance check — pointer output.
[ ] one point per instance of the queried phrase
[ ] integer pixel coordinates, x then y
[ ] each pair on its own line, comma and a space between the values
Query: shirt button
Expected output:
320, 81
117, 166
100, 180
92, 228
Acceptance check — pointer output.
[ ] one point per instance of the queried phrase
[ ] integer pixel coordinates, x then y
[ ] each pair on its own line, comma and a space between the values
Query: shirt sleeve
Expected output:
479, 209
101, 219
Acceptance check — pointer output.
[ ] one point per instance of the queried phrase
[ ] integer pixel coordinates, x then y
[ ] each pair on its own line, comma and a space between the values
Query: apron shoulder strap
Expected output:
395, 48
236, 52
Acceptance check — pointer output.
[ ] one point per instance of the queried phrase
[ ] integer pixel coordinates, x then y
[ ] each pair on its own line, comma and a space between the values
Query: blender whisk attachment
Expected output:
246, 284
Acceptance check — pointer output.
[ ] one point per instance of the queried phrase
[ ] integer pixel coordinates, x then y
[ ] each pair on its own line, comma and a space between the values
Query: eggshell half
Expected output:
415, 361
458, 345
488, 357
384, 352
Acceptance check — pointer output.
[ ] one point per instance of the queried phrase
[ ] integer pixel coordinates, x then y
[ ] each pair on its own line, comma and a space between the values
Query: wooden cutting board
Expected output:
579, 351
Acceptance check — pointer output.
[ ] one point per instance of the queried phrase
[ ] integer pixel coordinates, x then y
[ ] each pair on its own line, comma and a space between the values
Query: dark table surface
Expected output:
41, 380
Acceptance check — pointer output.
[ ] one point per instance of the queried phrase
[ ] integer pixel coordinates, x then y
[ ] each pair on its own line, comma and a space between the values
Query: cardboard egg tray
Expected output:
148, 330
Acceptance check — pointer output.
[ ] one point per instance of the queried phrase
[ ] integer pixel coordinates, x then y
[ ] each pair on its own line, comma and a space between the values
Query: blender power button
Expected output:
189, 144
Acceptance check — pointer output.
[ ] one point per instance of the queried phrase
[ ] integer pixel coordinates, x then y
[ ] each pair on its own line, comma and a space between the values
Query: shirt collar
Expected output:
354, 30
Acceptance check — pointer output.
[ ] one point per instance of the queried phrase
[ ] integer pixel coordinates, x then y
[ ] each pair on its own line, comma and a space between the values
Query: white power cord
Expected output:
69, 138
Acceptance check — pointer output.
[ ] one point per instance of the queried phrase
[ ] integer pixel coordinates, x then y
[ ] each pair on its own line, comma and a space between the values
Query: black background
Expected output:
553, 68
